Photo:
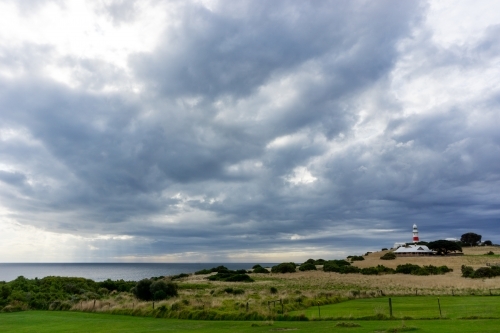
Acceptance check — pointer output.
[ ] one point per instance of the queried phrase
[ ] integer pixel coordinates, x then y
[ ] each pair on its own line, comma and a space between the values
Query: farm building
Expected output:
414, 251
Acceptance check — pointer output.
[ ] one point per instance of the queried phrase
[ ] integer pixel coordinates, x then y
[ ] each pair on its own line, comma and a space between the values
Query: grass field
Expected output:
197, 294
54, 322
421, 307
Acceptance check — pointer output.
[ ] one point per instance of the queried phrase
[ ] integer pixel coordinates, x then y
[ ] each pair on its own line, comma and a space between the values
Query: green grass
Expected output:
77, 322
421, 307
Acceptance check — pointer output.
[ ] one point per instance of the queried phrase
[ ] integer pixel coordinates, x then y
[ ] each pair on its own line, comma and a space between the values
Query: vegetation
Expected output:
443, 247
307, 266
481, 272
285, 267
259, 269
409, 307
59, 322
388, 256
213, 296
356, 258
425, 270
471, 239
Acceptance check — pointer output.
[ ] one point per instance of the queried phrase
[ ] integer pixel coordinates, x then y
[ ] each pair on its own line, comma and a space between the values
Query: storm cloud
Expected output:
245, 131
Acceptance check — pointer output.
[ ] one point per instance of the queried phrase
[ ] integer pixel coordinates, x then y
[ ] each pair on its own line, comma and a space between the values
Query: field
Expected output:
202, 299
421, 307
283, 302
78, 322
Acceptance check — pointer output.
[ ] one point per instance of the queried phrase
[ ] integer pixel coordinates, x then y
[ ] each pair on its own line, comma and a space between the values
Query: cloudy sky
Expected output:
245, 131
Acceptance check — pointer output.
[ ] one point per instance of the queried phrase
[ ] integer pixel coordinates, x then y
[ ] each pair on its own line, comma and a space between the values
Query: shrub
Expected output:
161, 289
369, 271
142, 290
203, 272
260, 270
348, 269
285, 267
331, 267
307, 267
383, 269
488, 243
256, 266
230, 277
320, 262
407, 268
310, 261
388, 256
179, 276
273, 290
334, 265
385, 249
483, 272
467, 271
357, 258
490, 253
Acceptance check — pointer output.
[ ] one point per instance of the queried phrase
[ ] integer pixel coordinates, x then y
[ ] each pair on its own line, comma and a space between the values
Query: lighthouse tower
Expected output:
415, 234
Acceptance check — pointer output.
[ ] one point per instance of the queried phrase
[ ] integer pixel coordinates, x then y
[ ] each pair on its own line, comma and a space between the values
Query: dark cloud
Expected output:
258, 126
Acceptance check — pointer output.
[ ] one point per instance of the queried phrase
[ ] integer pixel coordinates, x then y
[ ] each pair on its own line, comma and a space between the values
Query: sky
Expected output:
245, 131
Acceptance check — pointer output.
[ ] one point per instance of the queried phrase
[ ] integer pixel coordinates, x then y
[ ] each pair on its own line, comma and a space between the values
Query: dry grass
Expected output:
314, 286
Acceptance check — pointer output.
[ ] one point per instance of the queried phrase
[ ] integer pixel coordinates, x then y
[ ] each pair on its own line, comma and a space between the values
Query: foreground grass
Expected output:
422, 307
53, 322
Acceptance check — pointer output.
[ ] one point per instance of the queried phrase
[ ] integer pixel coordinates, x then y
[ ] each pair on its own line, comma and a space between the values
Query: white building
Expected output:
414, 251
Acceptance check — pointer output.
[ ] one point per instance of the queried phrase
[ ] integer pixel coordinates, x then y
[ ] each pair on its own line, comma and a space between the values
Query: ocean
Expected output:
103, 271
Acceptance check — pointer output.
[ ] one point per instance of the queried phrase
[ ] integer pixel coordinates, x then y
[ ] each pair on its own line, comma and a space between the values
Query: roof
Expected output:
413, 249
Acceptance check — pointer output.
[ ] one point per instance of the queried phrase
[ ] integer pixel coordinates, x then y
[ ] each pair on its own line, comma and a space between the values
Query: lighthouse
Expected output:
415, 234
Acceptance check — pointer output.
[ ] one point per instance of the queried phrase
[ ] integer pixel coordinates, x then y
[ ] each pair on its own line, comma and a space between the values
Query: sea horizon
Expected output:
100, 271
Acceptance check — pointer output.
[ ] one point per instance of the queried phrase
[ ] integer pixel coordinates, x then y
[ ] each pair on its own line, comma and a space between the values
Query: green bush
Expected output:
307, 267
161, 289
142, 290
230, 277
388, 256
357, 258
285, 267
331, 267
467, 271
179, 276
348, 269
369, 271
261, 270
273, 290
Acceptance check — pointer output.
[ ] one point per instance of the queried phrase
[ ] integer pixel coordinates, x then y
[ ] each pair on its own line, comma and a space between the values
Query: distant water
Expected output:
103, 271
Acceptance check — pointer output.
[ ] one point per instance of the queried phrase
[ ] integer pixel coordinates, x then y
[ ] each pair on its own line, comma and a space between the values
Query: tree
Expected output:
471, 239
161, 289
488, 243
443, 247
285, 267
142, 290
307, 266
388, 256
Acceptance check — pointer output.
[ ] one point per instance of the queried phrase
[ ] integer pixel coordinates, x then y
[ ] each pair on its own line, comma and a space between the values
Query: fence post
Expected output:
439, 304
282, 310
416, 291
247, 306
93, 307
319, 311
390, 307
